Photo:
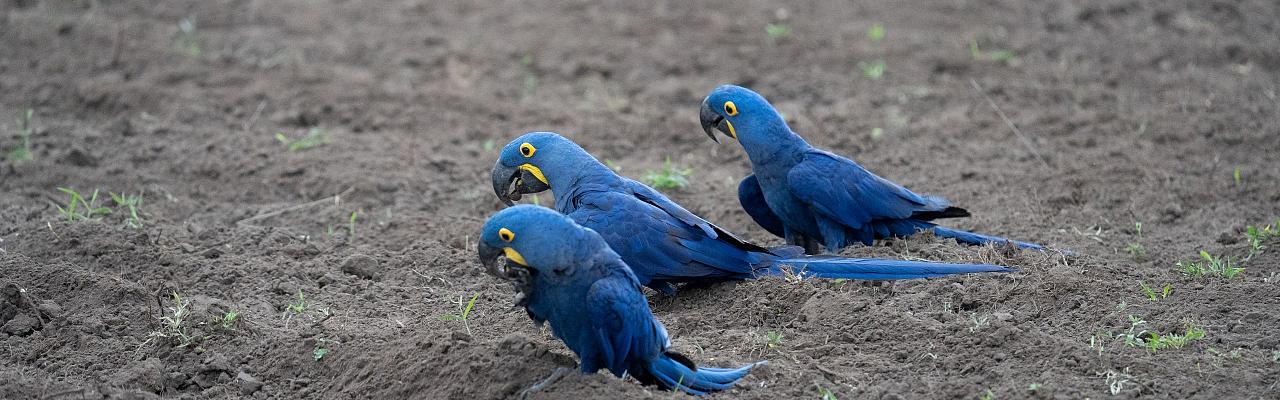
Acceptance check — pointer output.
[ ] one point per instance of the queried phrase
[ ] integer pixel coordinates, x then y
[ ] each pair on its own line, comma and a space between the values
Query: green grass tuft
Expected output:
80, 209
315, 137
874, 69
21, 152
464, 313
1210, 266
670, 177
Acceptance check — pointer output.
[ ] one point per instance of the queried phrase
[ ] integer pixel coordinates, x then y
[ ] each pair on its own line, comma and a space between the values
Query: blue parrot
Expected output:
809, 196
567, 275
661, 241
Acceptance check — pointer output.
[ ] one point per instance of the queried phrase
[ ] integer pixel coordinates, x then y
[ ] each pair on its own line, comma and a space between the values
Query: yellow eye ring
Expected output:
527, 150
730, 108
506, 235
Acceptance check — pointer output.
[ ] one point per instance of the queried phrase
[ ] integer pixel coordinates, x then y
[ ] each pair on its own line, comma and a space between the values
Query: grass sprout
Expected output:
464, 313
189, 39
315, 137
1257, 237
824, 393
872, 70
1152, 294
132, 202
1005, 56
1210, 266
777, 32
773, 339
1136, 249
173, 322
229, 319
21, 152
669, 177
80, 209
875, 33
299, 305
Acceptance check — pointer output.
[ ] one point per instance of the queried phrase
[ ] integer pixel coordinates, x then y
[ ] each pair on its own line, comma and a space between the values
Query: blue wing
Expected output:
752, 199
623, 326
841, 190
658, 246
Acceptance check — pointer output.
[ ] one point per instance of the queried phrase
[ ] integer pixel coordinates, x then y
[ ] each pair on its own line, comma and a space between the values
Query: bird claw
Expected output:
556, 375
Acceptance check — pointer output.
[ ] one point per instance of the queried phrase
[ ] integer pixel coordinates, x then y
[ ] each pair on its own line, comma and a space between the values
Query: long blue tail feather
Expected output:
832, 267
979, 239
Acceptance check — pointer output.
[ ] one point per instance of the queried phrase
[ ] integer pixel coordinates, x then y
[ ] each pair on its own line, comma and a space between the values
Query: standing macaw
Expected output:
661, 241
809, 196
568, 276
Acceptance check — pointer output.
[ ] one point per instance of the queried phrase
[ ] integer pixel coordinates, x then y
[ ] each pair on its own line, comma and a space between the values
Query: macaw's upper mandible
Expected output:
567, 276
810, 196
663, 242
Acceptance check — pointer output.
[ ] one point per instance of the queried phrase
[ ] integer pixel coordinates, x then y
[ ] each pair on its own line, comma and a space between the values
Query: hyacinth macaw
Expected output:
661, 241
810, 196
567, 275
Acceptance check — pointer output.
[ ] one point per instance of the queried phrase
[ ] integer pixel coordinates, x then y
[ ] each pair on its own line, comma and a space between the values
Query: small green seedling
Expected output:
229, 320
773, 339
1211, 266
1257, 237
824, 393
1005, 56
988, 395
351, 225
1152, 294
670, 177
299, 305
189, 39
464, 313
1034, 387
777, 32
877, 132
22, 151
876, 32
133, 202
321, 349
488, 145
872, 70
173, 323
315, 137
80, 209
978, 322
1136, 249
530, 78
1236, 175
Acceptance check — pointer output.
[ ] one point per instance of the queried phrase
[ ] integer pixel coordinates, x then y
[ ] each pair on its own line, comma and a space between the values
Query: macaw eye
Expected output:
506, 235
730, 109
527, 150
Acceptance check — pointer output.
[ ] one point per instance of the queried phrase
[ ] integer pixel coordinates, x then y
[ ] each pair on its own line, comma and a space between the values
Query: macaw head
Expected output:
532, 161
739, 113
534, 241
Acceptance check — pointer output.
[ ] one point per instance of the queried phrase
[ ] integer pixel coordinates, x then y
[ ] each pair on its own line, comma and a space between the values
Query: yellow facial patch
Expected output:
506, 235
730, 108
537, 173
527, 150
514, 256
732, 132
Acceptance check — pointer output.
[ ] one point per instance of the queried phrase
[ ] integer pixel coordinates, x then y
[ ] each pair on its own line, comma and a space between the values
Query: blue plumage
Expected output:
568, 277
810, 196
661, 241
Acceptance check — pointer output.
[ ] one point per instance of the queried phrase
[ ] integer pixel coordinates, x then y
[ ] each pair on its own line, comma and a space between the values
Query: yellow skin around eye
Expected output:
527, 150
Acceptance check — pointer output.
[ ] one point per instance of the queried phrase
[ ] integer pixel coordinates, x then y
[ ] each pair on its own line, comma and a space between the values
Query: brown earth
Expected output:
1127, 111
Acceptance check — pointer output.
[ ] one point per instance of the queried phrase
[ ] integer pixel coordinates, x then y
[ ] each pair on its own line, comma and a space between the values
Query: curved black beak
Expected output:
711, 120
524, 183
489, 260
520, 276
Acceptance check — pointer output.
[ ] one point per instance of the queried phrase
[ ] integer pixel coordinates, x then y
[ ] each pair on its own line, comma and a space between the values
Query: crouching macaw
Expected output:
567, 275
809, 196
661, 241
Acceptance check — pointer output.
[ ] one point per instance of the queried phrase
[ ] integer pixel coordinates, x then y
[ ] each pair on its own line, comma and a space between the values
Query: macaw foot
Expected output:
556, 375
809, 245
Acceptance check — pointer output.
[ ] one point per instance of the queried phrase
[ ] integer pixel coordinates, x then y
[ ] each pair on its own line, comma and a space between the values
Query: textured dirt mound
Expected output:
314, 175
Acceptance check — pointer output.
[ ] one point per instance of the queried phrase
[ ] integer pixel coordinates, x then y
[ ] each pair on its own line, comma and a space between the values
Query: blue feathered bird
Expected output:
567, 276
810, 196
661, 241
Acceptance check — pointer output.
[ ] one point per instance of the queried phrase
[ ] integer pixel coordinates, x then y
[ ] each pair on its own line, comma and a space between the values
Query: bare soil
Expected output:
1125, 111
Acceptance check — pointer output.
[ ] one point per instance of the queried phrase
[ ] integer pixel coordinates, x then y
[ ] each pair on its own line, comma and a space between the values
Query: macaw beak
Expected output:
710, 120
524, 183
520, 276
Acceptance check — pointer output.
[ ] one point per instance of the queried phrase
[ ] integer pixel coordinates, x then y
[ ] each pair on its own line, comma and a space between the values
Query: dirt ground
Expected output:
1125, 112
